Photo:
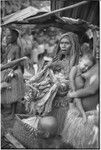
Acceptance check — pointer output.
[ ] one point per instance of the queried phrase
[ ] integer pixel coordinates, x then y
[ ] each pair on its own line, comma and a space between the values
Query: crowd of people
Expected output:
72, 120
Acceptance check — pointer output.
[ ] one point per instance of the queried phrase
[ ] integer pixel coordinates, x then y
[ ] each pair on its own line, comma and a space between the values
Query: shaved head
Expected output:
48, 124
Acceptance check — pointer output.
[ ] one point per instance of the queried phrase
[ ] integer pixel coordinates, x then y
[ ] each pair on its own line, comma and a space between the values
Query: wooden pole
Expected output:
12, 63
58, 10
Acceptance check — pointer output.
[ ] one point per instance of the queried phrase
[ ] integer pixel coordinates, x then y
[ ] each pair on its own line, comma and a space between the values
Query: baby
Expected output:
77, 81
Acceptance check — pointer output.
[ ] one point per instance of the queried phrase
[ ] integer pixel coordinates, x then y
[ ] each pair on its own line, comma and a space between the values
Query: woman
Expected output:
75, 131
67, 56
68, 51
12, 50
14, 76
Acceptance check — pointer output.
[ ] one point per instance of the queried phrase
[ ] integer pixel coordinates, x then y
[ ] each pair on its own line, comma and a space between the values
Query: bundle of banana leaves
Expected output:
42, 90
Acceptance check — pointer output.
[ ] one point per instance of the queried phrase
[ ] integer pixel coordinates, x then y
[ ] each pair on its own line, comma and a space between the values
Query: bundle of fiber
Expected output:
76, 131
16, 92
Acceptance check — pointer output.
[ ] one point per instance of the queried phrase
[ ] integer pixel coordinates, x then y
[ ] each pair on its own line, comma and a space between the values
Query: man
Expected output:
74, 127
14, 76
90, 93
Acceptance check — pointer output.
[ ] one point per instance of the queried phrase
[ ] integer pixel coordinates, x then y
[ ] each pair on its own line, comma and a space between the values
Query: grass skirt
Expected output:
59, 111
16, 92
75, 131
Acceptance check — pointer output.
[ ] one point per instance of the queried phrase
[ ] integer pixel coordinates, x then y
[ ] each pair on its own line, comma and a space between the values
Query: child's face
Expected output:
85, 64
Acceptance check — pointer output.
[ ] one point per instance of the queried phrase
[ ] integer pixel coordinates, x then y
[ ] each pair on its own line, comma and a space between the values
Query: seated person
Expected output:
76, 79
47, 137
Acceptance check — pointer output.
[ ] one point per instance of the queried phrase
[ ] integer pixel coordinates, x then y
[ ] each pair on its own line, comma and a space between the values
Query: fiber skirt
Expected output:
76, 131
17, 90
59, 111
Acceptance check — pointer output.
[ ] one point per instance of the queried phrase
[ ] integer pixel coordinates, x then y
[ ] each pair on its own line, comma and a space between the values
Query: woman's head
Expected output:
11, 36
69, 43
85, 48
65, 45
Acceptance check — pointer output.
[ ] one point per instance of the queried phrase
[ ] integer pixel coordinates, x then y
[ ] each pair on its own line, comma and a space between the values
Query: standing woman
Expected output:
12, 76
67, 55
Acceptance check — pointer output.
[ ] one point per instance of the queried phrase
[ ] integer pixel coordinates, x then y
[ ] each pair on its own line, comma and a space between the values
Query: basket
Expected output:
24, 132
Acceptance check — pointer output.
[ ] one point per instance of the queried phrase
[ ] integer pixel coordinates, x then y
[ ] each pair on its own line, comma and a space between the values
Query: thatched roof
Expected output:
22, 14
32, 15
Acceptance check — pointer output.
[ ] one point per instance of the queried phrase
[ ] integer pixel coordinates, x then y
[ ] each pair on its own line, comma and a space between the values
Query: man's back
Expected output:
79, 81
92, 77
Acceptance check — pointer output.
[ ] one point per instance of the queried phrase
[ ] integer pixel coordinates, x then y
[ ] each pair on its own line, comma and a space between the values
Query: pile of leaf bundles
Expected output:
43, 89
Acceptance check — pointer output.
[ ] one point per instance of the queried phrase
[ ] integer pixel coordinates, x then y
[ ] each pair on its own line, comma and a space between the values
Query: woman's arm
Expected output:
90, 90
13, 54
72, 77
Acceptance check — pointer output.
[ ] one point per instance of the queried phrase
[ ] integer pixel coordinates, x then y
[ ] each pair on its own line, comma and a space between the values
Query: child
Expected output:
76, 79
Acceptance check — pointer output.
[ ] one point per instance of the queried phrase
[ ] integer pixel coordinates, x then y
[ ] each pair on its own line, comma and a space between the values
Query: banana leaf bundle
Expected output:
45, 86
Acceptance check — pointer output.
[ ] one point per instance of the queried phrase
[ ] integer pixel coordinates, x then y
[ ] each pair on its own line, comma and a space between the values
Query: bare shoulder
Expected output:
94, 78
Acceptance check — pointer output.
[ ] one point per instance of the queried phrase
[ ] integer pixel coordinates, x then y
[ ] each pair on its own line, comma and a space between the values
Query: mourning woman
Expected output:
68, 51
14, 75
67, 55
